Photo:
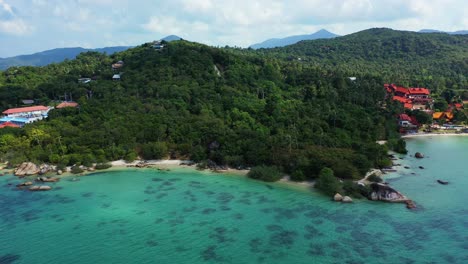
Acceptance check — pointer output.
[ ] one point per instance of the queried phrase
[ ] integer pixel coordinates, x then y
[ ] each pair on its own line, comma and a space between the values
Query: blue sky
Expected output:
28, 26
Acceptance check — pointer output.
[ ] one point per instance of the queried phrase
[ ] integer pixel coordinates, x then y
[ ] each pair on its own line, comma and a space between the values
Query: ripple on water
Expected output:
209, 254
9, 258
152, 243
87, 194
283, 238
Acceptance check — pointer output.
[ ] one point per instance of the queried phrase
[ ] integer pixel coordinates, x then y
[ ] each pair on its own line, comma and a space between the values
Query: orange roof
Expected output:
401, 90
437, 115
67, 104
449, 115
408, 106
401, 99
25, 109
419, 91
8, 124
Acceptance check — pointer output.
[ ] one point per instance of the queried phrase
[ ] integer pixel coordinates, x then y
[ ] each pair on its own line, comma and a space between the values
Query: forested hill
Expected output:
193, 101
52, 56
433, 60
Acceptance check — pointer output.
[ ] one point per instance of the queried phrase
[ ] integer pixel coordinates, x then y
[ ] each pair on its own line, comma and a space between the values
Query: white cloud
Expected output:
15, 27
215, 22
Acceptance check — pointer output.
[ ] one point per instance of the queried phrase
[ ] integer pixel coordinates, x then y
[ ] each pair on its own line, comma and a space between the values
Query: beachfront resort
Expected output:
421, 115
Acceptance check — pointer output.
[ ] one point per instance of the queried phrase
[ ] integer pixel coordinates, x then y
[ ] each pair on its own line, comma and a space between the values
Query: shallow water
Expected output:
185, 216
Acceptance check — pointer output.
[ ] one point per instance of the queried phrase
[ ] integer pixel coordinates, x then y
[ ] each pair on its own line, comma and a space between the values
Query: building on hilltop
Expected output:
157, 45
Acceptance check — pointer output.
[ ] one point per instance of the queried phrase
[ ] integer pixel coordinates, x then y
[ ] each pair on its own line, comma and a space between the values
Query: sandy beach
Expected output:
173, 164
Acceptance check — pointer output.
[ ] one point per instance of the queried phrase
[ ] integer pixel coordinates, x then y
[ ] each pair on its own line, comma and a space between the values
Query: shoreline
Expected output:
434, 134
184, 164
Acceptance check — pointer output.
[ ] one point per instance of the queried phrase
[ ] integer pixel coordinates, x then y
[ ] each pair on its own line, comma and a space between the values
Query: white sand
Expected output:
122, 163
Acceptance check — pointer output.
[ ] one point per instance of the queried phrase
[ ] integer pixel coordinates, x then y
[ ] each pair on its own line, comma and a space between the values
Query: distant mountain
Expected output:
385, 51
459, 32
171, 38
52, 56
275, 42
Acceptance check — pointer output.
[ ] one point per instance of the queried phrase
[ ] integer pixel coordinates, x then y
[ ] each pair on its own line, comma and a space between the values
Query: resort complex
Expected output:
419, 99
18, 117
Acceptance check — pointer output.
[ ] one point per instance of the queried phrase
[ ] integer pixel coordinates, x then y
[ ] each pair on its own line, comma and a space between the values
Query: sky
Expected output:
28, 26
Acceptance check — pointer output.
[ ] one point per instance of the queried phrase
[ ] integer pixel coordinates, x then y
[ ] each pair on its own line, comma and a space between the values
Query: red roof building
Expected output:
418, 91
404, 117
401, 91
9, 124
26, 110
410, 97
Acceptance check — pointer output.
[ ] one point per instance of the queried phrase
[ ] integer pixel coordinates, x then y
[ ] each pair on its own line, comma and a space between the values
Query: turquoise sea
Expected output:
185, 216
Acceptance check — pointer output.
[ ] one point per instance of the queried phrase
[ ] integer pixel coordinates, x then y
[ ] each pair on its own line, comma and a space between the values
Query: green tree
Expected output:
327, 182
264, 173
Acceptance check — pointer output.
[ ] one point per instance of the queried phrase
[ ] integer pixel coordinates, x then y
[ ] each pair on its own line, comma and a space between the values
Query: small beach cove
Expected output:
131, 215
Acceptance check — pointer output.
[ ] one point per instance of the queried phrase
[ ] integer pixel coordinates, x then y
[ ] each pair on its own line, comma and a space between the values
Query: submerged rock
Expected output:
47, 179
418, 155
27, 168
338, 197
28, 183
347, 199
40, 188
410, 204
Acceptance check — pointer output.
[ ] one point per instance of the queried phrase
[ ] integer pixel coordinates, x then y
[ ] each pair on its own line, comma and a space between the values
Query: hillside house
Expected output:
117, 65
407, 124
84, 80
406, 121
116, 77
27, 101
67, 104
157, 45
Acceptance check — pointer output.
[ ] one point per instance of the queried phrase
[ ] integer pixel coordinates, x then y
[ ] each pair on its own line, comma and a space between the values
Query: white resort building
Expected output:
24, 115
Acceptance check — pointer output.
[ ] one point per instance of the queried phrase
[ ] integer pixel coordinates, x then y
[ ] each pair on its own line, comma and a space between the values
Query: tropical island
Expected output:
314, 110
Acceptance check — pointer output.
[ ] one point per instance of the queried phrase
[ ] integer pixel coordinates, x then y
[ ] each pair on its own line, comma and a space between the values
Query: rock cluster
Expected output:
344, 199
347, 199
338, 197
27, 168
43, 169
40, 188
47, 179
23, 184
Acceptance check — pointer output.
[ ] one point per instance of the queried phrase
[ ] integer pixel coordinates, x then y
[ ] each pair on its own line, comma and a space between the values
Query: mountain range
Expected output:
52, 56
60, 54
281, 42
459, 32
